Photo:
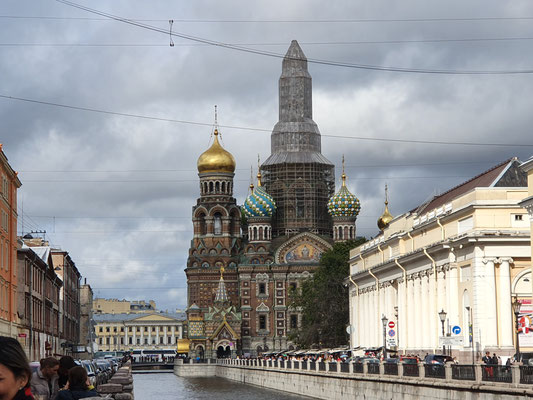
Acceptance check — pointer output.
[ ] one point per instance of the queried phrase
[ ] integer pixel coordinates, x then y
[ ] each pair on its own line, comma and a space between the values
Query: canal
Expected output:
162, 386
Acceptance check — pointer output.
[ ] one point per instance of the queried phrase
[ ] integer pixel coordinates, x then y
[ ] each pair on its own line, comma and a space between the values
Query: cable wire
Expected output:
412, 141
277, 55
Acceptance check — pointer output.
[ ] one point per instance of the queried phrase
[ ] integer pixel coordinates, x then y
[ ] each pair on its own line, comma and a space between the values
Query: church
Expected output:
245, 260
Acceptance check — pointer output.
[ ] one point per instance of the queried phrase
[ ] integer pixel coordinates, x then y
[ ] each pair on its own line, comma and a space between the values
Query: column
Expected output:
434, 322
505, 311
402, 311
157, 338
425, 317
490, 327
125, 338
411, 328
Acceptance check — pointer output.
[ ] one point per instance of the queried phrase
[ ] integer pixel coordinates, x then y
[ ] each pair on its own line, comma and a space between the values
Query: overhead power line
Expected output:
291, 21
277, 55
335, 43
390, 140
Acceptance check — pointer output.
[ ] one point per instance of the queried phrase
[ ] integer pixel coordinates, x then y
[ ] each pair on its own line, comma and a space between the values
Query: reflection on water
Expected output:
162, 386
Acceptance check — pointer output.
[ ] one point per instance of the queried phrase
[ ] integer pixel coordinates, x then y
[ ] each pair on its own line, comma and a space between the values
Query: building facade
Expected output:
115, 306
38, 302
8, 247
86, 318
125, 332
266, 247
463, 254
69, 298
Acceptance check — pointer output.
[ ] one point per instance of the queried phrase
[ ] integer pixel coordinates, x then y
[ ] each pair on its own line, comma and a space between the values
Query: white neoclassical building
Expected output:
466, 253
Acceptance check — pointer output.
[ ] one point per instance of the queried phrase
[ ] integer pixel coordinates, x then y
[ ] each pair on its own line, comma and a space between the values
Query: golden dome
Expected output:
386, 217
216, 159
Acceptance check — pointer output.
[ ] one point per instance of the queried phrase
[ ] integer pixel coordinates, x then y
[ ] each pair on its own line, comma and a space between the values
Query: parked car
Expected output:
437, 359
409, 359
91, 371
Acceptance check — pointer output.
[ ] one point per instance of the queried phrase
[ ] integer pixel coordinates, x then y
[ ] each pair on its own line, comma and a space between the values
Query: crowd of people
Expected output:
54, 380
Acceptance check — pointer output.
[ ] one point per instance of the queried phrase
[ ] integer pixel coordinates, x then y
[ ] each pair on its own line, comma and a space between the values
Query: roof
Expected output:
505, 174
129, 316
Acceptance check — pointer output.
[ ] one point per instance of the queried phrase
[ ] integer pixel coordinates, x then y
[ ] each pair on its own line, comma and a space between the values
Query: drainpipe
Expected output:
441, 229
355, 284
382, 253
412, 241
405, 301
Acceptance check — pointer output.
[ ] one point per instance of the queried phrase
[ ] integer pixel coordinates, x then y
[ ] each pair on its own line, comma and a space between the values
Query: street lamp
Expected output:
442, 316
516, 310
384, 320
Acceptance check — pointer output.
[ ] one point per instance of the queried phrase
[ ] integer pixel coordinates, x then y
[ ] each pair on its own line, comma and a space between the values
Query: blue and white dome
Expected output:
259, 203
344, 203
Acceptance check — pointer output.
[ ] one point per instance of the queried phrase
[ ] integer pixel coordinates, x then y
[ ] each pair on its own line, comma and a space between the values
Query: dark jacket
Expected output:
76, 394
24, 394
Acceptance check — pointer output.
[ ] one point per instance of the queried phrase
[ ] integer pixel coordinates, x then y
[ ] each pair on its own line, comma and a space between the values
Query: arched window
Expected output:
255, 233
210, 187
223, 187
201, 224
217, 187
218, 224
340, 233
260, 237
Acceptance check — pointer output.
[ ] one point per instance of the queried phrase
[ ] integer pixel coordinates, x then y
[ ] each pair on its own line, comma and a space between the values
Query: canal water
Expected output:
163, 386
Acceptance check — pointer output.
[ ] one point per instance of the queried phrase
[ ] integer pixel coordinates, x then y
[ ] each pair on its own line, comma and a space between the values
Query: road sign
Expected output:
450, 341
456, 330
391, 342
391, 324
392, 332
22, 335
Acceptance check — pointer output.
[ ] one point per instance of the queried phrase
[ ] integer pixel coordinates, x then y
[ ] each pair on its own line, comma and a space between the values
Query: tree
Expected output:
323, 300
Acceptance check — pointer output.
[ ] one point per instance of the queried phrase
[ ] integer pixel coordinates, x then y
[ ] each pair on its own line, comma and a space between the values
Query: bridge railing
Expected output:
479, 373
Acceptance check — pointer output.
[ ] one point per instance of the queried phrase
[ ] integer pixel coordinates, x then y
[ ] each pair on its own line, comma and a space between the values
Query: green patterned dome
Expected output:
344, 203
259, 203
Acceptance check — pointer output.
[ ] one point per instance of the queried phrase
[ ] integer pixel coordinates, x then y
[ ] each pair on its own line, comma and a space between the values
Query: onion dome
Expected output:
386, 217
344, 203
216, 159
259, 203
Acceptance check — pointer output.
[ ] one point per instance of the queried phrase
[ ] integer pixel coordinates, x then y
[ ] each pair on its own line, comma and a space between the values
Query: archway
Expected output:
220, 352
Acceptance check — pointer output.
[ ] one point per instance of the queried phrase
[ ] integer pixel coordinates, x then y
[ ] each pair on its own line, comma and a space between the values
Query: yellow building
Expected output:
120, 332
464, 253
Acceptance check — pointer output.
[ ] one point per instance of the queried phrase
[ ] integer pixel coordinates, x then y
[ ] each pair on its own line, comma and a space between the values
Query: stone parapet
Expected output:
120, 386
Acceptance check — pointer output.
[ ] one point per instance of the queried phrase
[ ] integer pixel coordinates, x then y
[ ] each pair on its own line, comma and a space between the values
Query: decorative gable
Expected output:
305, 248
262, 308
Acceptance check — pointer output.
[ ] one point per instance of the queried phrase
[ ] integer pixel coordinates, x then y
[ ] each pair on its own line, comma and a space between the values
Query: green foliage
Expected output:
323, 300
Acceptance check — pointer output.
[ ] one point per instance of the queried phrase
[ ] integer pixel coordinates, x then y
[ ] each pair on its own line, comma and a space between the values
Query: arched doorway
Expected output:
220, 352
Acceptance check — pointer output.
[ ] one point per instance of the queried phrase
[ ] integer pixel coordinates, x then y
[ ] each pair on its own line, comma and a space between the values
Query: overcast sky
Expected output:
116, 192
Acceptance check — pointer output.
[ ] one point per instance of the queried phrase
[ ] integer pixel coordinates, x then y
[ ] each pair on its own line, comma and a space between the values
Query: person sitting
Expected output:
78, 386
15, 372
44, 380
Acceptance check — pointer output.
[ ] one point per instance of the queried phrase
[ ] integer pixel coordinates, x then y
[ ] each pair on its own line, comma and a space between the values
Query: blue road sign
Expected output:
391, 332
456, 330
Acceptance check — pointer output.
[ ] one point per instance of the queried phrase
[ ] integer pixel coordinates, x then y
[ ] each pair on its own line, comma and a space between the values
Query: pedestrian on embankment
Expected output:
15, 372
78, 386
65, 364
44, 384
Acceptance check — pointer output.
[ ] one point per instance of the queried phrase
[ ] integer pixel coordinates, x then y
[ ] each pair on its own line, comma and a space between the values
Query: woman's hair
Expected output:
13, 357
65, 364
77, 378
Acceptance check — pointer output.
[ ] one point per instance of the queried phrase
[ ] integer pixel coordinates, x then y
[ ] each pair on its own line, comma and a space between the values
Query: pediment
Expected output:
305, 248
262, 308
153, 317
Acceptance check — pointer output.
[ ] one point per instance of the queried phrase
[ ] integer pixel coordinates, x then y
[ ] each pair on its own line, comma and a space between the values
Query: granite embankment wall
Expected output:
192, 370
120, 386
335, 382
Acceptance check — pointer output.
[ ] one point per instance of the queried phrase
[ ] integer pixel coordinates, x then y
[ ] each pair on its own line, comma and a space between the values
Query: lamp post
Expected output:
442, 316
516, 310
384, 321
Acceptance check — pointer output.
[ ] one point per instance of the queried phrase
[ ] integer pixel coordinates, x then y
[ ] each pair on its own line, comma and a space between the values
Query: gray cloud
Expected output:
136, 234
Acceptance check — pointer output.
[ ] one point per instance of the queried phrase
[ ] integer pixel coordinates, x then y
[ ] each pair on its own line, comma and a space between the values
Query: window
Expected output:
218, 224
161, 340
292, 286
101, 329
262, 288
130, 340
294, 321
107, 329
262, 322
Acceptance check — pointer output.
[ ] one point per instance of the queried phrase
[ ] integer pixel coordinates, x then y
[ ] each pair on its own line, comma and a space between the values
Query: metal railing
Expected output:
434, 371
496, 373
373, 368
526, 375
463, 372
390, 368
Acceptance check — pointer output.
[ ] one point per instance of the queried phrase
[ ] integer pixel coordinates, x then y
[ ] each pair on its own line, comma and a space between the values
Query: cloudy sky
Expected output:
116, 191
